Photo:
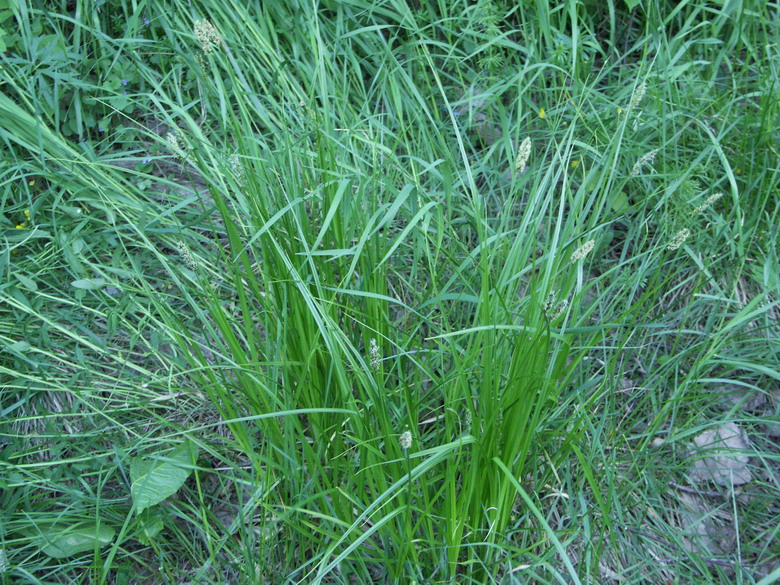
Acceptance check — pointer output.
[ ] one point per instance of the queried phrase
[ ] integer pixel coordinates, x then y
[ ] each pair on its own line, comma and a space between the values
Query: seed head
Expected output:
177, 145
405, 440
637, 95
582, 252
645, 159
523, 154
184, 252
554, 309
373, 351
237, 169
679, 239
208, 36
708, 202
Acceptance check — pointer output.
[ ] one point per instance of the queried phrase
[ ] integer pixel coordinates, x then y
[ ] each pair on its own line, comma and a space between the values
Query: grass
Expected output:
242, 267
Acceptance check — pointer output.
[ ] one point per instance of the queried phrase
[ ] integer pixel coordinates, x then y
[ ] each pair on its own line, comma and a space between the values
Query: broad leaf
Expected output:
89, 283
151, 525
66, 542
620, 203
157, 478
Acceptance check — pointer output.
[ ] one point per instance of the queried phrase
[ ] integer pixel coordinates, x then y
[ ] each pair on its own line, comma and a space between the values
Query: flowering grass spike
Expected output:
679, 239
644, 160
523, 154
208, 36
582, 252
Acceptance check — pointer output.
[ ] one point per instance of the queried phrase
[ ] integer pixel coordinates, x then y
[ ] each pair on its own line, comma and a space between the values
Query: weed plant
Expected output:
386, 292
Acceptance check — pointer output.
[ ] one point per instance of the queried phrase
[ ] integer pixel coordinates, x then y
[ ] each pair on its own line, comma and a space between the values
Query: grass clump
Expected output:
381, 292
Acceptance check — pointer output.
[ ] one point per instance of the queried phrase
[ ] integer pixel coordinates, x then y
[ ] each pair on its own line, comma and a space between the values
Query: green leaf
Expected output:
631, 4
89, 283
151, 525
620, 203
19, 347
155, 479
75, 539
561, 361
27, 283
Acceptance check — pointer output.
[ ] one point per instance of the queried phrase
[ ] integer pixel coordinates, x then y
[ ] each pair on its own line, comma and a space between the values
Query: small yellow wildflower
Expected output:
541, 113
27, 213
620, 111
575, 163
31, 183
20, 226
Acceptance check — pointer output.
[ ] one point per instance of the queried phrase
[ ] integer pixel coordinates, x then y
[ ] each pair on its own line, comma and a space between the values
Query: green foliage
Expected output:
155, 479
287, 247
61, 542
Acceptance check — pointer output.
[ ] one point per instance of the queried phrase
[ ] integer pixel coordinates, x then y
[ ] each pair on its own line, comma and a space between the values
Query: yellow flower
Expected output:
27, 213
20, 226
620, 111
541, 113
575, 163
31, 183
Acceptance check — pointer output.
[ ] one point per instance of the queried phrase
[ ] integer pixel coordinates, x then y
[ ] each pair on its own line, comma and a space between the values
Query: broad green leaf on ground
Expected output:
59, 542
89, 283
620, 203
151, 526
154, 479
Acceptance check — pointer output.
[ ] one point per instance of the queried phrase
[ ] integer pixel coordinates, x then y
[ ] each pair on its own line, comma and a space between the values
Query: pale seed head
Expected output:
184, 252
645, 159
523, 154
373, 351
708, 202
177, 145
237, 168
679, 239
637, 95
582, 252
208, 36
